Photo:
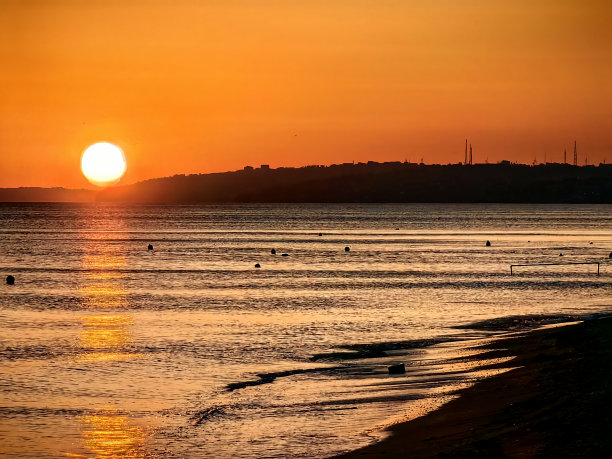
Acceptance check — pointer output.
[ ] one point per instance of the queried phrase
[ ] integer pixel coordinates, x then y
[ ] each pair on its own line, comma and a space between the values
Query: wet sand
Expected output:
557, 402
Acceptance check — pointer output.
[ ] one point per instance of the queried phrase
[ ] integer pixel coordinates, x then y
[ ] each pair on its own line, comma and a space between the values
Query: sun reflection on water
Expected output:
104, 295
111, 434
103, 264
103, 332
107, 336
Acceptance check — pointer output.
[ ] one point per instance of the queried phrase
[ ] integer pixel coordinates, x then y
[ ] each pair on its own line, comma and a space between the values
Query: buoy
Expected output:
320, 234
273, 251
560, 254
10, 280
488, 244
396, 229
397, 369
610, 255
257, 265
347, 249
150, 247
284, 255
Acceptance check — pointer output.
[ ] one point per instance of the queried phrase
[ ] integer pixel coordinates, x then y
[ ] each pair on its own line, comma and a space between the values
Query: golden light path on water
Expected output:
105, 335
109, 432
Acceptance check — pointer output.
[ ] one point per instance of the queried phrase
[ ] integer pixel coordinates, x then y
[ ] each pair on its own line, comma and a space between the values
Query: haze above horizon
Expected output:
185, 87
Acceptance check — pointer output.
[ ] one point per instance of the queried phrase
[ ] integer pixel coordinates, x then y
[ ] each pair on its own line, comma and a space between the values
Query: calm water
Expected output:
108, 349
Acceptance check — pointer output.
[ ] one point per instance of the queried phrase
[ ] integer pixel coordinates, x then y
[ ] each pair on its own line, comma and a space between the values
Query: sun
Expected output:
103, 163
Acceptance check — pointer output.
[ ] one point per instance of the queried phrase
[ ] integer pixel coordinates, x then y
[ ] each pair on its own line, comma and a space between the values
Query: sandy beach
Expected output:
556, 403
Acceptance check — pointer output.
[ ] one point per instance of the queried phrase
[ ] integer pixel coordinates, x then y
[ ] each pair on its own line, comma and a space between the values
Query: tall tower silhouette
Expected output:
465, 160
575, 154
565, 156
470, 154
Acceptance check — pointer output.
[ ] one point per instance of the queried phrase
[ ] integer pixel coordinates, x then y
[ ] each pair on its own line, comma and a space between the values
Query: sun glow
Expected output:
103, 163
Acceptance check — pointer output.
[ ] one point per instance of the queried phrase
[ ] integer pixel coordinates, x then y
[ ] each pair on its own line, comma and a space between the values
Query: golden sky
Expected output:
189, 86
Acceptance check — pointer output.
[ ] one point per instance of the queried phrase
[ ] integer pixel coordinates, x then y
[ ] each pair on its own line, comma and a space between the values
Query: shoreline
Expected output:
555, 402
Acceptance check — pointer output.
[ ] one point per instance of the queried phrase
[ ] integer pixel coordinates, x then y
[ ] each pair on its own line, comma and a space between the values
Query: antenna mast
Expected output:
575, 154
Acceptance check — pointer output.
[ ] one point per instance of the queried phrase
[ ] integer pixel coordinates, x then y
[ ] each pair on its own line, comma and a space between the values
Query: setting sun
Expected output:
103, 163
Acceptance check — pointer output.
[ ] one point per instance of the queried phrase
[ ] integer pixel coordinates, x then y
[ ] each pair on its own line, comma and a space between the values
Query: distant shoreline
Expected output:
370, 182
557, 402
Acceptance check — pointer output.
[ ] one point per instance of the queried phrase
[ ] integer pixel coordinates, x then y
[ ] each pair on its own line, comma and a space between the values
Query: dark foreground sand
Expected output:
557, 404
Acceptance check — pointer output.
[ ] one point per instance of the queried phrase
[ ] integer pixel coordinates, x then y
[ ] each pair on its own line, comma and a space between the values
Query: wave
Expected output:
374, 350
267, 378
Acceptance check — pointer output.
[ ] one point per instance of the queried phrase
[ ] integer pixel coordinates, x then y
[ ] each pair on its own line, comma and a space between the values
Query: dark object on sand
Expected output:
150, 247
398, 369
347, 249
488, 244
284, 255
273, 251
10, 280
257, 265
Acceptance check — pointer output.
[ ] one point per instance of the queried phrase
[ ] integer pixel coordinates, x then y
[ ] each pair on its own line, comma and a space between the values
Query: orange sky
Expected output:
188, 86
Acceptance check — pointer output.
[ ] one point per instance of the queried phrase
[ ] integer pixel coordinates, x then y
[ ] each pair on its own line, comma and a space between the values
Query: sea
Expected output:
109, 349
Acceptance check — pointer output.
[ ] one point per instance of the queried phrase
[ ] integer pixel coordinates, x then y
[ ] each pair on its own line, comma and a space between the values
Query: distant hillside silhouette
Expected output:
380, 182
36, 194
363, 182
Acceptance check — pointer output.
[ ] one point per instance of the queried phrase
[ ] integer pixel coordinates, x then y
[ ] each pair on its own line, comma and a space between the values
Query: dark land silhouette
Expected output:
37, 194
556, 402
393, 182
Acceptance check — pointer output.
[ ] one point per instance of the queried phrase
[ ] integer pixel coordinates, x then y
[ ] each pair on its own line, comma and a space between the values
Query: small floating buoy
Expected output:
591, 243
560, 254
488, 244
284, 255
610, 255
397, 369
10, 280
273, 251
347, 249
257, 265
396, 229
150, 247
320, 234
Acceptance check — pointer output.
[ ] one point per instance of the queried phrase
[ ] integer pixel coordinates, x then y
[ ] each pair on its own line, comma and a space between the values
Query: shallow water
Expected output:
108, 349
